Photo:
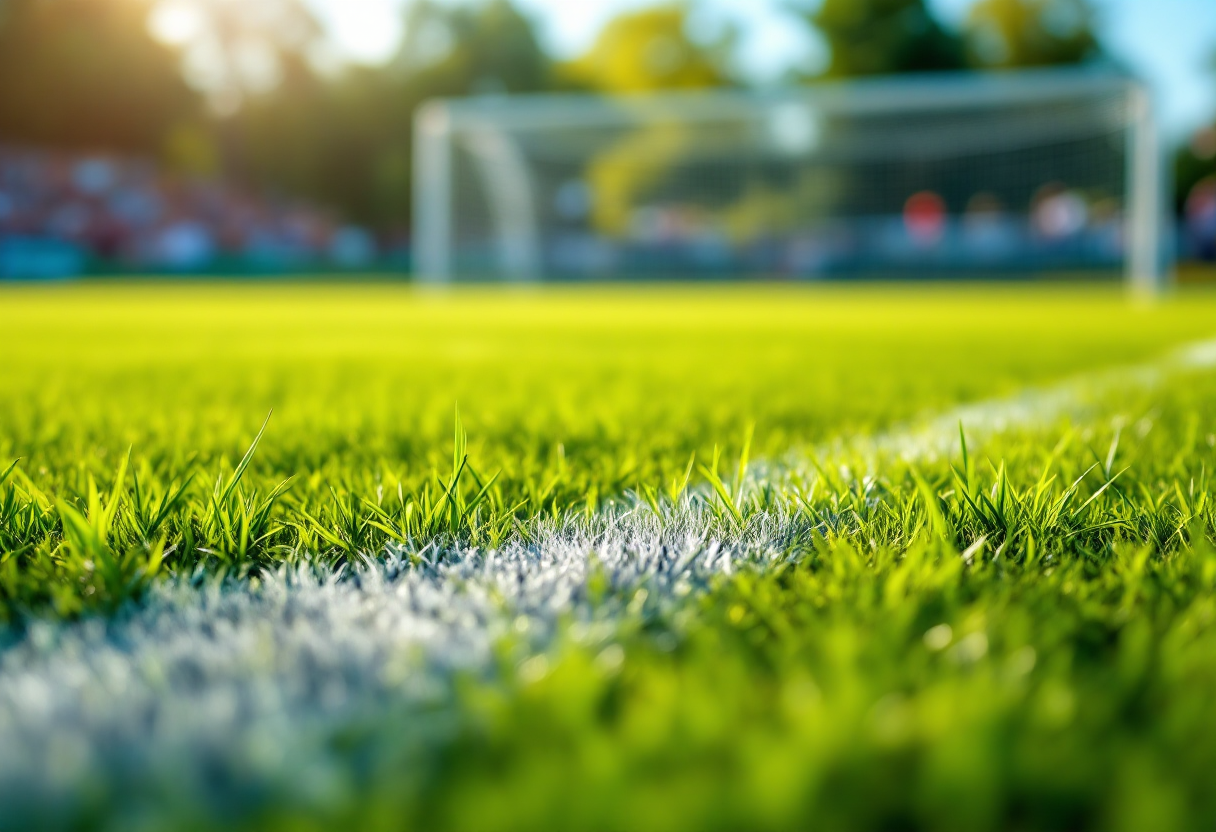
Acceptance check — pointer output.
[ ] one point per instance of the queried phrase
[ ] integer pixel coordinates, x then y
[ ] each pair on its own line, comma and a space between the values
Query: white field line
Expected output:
250, 677
937, 437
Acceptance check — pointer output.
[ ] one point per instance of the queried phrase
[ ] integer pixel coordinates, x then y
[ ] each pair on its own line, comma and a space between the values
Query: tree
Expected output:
232, 49
488, 47
1025, 33
651, 50
1195, 160
345, 140
86, 74
878, 37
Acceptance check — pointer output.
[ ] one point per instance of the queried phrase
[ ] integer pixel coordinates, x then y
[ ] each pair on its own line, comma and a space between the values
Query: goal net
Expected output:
1020, 174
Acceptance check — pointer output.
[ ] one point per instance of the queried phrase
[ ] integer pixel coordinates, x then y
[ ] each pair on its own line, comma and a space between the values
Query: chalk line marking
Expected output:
253, 677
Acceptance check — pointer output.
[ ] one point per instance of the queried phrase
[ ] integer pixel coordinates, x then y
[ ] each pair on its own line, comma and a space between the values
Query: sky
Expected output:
1170, 43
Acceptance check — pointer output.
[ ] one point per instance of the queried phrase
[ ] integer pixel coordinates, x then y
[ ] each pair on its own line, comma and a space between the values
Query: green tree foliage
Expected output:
488, 47
344, 140
879, 37
1195, 160
651, 50
640, 52
1025, 33
231, 49
86, 74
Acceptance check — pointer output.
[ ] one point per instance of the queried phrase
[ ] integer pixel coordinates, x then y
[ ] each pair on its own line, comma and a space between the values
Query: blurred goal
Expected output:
1035, 174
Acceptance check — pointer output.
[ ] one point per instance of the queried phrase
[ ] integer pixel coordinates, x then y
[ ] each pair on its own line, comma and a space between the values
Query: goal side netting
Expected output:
1037, 174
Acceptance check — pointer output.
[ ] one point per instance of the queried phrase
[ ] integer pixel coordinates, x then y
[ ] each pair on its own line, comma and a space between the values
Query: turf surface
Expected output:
1021, 638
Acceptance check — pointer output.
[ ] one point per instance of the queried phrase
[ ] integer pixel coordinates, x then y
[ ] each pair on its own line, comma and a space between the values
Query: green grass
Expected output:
1062, 679
570, 397
1057, 677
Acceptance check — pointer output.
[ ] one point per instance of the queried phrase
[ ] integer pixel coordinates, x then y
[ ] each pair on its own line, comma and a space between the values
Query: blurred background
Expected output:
261, 137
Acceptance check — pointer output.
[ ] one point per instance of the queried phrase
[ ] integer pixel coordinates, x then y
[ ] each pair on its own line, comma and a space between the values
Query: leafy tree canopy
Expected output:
85, 74
880, 37
1025, 33
651, 50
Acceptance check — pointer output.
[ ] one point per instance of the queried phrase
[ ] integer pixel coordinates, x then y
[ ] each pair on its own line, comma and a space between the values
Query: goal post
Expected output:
1028, 174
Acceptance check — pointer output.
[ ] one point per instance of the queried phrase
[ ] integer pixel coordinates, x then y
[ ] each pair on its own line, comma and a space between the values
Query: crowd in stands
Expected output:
63, 214
1201, 221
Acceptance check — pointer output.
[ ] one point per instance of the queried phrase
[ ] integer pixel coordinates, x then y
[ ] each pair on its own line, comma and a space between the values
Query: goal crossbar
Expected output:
500, 140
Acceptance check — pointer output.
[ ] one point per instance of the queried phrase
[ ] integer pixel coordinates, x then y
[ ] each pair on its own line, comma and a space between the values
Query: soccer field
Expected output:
765, 557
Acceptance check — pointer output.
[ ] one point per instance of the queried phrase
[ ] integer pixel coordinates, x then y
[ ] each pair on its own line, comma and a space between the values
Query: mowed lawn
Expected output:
365, 379
1022, 636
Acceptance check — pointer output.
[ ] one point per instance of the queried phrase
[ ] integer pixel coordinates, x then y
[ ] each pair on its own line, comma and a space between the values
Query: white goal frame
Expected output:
486, 125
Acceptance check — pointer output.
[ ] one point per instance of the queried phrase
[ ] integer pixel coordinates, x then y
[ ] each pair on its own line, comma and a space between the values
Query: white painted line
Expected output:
250, 678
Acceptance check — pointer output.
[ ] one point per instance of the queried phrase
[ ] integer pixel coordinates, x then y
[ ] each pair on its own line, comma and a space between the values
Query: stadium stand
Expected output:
62, 214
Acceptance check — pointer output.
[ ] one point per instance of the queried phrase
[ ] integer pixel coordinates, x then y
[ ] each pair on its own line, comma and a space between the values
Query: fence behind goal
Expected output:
1036, 173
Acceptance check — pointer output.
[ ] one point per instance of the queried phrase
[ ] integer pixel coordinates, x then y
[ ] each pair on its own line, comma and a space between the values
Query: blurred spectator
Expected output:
925, 218
1201, 219
61, 213
1057, 213
184, 245
989, 232
351, 247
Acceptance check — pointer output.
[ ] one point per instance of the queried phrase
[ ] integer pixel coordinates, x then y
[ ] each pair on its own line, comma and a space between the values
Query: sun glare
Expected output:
176, 22
367, 31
